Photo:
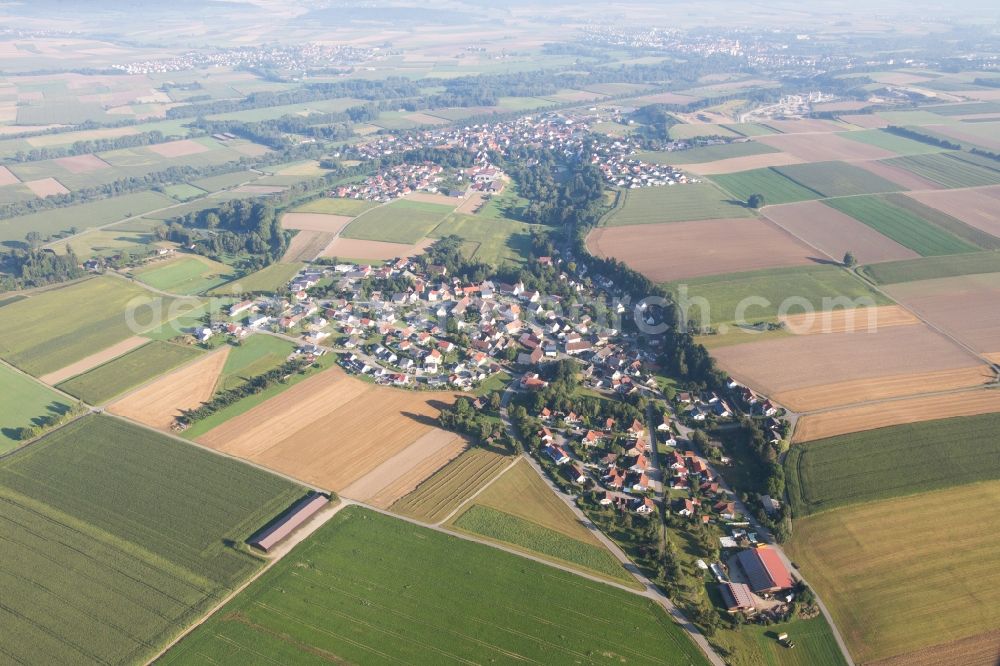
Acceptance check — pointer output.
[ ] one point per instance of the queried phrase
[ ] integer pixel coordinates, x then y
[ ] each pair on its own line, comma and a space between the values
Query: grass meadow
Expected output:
677, 203
117, 538
128, 371
54, 328
331, 206
888, 462
775, 187
836, 179
265, 281
756, 644
442, 493
253, 356
947, 170
704, 154
399, 222
185, 275
495, 241
532, 537
901, 225
368, 587
22, 400
911, 270
724, 293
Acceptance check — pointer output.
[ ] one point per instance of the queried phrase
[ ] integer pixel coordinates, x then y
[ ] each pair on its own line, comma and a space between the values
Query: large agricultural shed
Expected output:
274, 533
765, 570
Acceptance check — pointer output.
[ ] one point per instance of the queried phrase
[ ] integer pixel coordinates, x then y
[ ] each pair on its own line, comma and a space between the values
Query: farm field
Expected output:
892, 142
265, 281
835, 233
399, 222
94, 360
85, 215
117, 538
253, 356
869, 561
978, 650
22, 400
652, 205
955, 226
306, 246
332, 206
55, 328
755, 644
906, 180
184, 275
349, 248
699, 248
981, 135
157, 404
225, 180
683, 131
450, 486
976, 207
772, 184
495, 241
879, 464
532, 537
930, 268
883, 414
325, 222
825, 147
99, 385
848, 320
812, 283
748, 163
374, 567
966, 307
836, 179
318, 430
946, 170
707, 153
836, 369
902, 225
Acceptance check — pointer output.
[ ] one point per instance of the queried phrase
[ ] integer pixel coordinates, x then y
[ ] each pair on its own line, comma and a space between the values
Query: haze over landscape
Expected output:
459, 332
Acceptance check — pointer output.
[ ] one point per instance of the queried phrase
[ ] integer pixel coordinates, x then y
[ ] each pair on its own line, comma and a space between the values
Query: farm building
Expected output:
765, 570
737, 597
274, 533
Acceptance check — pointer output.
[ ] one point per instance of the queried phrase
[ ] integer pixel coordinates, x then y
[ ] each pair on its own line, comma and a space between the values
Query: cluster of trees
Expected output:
574, 201
274, 132
22, 269
252, 386
59, 415
654, 125
985, 153
922, 138
240, 226
463, 418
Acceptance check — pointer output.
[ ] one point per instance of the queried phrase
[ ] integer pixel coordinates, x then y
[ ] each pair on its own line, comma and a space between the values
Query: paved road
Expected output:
650, 591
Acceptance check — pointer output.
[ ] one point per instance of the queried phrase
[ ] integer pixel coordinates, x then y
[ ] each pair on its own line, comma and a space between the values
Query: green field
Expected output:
82, 216
650, 205
265, 281
836, 179
104, 382
105, 242
950, 224
532, 537
724, 293
253, 356
495, 241
750, 129
184, 191
451, 485
897, 144
225, 180
911, 270
684, 131
117, 538
704, 154
55, 328
967, 109
888, 462
755, 644
370, 588
22, 400
775, 187
901, 225
401, 221
946, 170
185, 275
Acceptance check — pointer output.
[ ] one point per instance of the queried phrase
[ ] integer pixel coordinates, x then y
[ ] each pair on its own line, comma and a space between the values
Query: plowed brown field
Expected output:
332, 429
306, 246
332, 224
675, 250
981, 650
857, 320
895, 412
159, 403
734, 164
976, 207
824, 147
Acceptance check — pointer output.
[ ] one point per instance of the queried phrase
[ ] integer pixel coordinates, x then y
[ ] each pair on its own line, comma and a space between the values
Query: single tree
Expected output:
850, 260
755, 200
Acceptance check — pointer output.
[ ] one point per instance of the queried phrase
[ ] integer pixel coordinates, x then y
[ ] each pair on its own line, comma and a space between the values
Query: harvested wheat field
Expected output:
966, 307
844, 320
82, 163
332, 224
812, 372
306, 246
981, 650
94, 360
7, 178
676, 250
180, 148
332, 430
403, 472
901, 177
365, 249
825, 147
46, 187
159, 403
894, 412
978, 207
430, 197
834, 233
744, 163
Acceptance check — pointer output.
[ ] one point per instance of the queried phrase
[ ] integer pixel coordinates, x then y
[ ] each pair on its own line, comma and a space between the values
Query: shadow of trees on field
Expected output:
422, 418
824, 261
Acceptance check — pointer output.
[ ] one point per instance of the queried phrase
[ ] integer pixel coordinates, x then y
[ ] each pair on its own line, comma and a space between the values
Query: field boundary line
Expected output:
477, 493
